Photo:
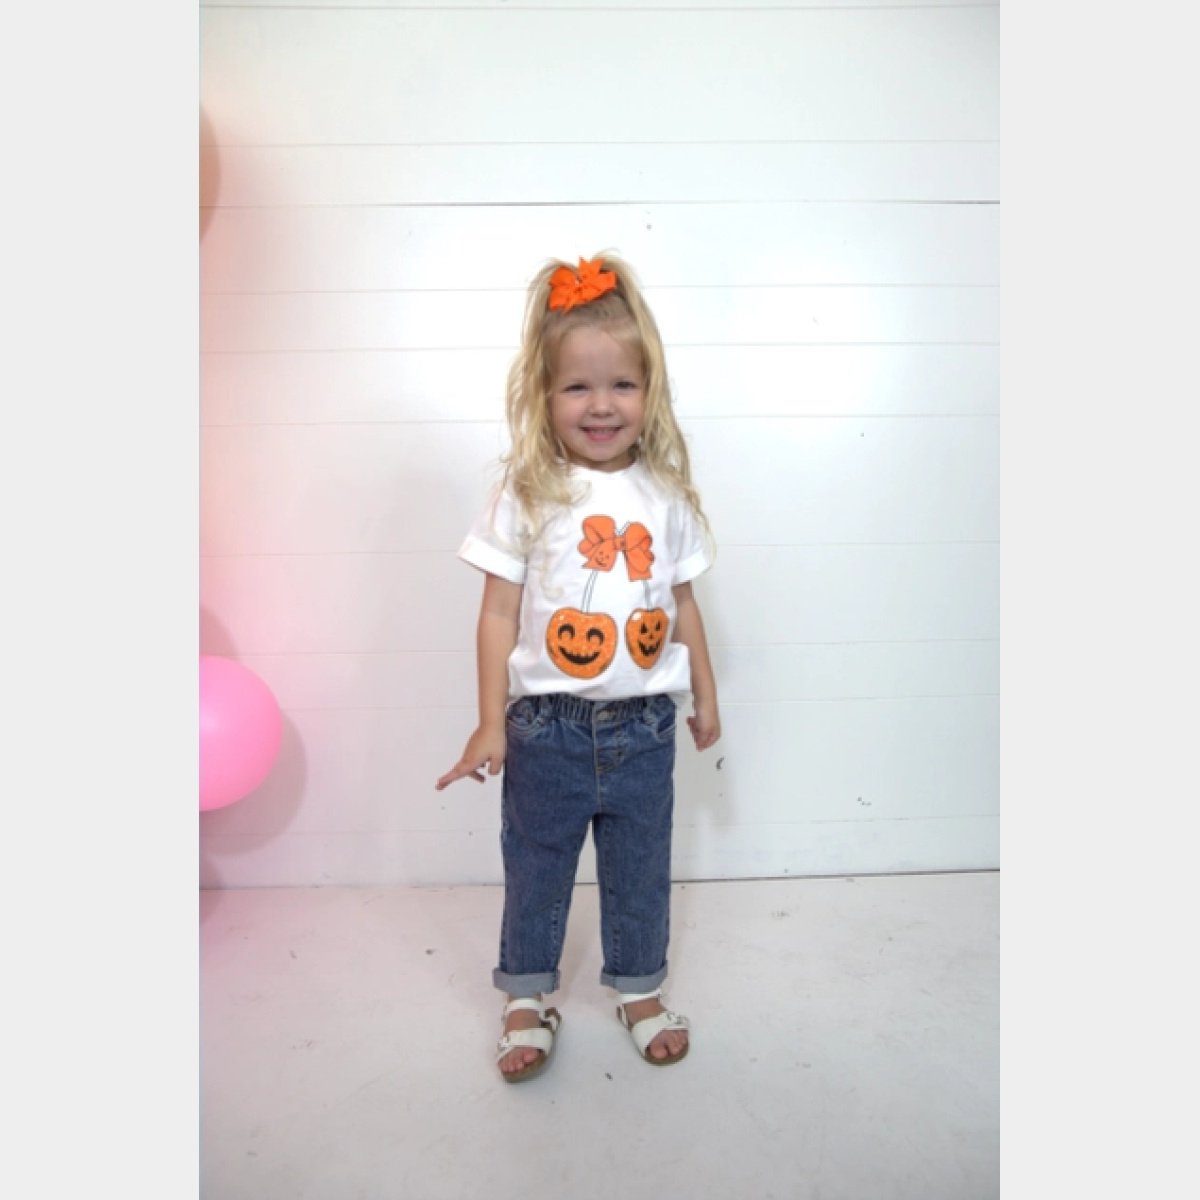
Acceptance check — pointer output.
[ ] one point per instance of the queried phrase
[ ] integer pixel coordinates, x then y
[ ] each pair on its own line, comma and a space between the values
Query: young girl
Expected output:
589, 638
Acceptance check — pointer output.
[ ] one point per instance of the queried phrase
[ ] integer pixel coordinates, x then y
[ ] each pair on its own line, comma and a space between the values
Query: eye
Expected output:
566, 631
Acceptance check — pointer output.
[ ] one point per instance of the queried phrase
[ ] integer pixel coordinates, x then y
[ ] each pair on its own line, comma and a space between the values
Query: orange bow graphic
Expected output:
568, 289
602, 544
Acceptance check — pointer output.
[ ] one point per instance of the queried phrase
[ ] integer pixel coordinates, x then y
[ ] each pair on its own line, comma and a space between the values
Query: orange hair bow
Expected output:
568, 289
602, 544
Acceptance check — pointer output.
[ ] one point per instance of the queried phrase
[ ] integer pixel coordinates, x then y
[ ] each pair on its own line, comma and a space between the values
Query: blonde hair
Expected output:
535, 464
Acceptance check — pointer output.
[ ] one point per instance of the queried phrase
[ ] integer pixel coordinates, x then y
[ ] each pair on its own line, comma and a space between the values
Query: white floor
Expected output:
845, 1047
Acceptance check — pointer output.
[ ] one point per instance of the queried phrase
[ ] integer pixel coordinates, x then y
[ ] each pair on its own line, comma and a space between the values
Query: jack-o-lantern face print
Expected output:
645, 635
581, 644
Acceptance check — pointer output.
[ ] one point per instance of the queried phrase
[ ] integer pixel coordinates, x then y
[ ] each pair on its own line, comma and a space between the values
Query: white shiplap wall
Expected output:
809, 193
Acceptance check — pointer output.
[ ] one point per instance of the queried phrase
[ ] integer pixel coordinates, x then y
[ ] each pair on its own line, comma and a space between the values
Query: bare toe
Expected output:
668, 1045
518, 1060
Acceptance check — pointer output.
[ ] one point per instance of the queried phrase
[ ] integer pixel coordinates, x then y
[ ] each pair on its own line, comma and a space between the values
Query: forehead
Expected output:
600, 348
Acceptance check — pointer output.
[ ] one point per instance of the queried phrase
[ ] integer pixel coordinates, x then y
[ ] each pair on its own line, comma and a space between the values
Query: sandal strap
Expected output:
645, 1031
540, 1039
634, 997
525, 1002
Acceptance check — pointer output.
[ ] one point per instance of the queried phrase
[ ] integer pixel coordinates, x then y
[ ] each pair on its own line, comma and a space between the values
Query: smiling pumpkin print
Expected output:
583, 644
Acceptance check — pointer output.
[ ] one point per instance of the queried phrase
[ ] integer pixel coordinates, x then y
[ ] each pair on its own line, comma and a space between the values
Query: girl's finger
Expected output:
460, 770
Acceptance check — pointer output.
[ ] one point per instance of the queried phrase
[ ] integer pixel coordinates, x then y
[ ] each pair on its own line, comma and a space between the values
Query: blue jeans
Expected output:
571, 763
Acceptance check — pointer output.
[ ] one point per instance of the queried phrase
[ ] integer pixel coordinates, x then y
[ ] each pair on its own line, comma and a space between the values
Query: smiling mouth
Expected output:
580, 660
601, 435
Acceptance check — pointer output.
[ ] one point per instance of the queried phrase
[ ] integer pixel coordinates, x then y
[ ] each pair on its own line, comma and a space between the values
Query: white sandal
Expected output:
542, 1038
645, 1031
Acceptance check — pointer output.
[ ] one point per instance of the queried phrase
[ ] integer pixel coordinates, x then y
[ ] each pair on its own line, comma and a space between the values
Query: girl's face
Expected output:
598, 398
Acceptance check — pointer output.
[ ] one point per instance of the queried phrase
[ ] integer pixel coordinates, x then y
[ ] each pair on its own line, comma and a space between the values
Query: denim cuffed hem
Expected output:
521, 987
633, 984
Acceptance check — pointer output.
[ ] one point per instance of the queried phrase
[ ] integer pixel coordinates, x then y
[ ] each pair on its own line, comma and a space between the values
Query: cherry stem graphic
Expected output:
587, 591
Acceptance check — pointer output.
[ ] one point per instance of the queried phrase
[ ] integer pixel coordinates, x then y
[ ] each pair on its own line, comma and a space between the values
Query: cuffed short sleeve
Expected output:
694, 553
493, 544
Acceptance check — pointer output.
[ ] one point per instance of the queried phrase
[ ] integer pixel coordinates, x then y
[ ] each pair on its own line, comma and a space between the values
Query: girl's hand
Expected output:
705, 725
485, 748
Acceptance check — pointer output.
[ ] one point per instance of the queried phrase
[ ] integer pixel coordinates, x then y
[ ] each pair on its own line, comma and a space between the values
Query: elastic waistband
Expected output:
588, 712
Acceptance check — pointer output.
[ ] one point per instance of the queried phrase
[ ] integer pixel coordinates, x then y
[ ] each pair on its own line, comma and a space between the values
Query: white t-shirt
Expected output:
597, 610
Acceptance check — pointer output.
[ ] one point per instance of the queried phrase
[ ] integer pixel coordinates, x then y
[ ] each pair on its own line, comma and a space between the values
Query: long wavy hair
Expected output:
535, 464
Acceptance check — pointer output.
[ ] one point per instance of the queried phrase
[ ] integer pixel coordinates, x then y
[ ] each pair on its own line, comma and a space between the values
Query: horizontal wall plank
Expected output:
345, 603
299, 176
442, 320
394, 603
865, 670
316, 489
349, 858
851, 764
745, 674
669, 245
294, 76
877, 847
360, 489
416, 679
788, 481
766, 595
292, 387
432, 858
847, 761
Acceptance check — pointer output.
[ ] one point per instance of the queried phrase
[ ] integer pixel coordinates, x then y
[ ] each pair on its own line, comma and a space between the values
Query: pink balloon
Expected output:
240, 731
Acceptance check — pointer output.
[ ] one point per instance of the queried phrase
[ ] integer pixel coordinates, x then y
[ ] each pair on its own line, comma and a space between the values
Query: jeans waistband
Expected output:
576, 708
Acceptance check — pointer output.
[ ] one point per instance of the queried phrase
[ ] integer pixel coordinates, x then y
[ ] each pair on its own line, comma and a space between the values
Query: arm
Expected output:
689, 629
496, 637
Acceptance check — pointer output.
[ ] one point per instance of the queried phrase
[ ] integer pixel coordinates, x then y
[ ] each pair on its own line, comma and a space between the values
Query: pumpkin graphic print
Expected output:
582, 643
645, 635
